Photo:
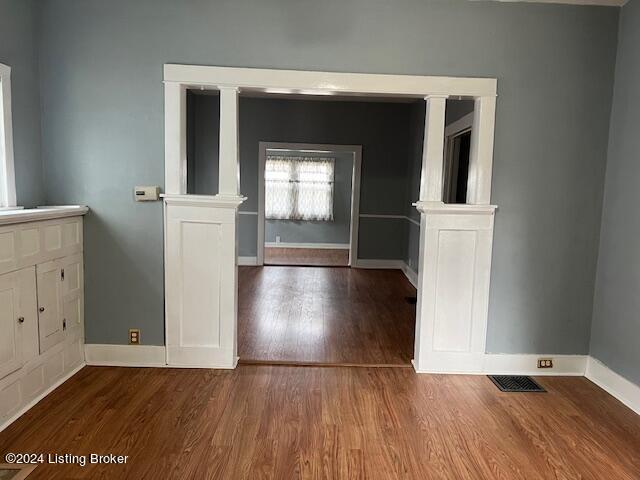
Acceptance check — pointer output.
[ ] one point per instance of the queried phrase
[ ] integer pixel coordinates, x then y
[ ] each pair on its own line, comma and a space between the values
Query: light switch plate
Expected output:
146, 194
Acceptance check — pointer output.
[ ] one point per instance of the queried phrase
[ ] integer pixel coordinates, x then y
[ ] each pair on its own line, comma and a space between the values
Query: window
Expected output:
7, 178
299, 188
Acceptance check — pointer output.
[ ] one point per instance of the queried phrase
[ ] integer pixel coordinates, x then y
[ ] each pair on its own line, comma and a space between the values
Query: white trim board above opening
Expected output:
309, 82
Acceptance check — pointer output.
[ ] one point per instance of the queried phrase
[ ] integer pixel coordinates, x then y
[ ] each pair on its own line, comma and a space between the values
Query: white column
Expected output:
481, 153
175, 138
229, 161
453, 287
201, 281
455, 251
433, 150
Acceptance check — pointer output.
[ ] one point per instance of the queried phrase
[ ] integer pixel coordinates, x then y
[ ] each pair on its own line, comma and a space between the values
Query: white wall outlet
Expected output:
277, 238
146, 194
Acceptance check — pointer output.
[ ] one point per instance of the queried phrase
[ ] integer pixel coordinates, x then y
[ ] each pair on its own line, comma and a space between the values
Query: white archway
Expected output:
200, 231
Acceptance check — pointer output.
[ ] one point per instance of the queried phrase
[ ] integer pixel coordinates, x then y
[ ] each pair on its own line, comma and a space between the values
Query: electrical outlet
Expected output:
545, 363
134, 336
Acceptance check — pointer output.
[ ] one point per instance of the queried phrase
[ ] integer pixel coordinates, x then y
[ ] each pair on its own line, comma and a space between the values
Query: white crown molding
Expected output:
602, 3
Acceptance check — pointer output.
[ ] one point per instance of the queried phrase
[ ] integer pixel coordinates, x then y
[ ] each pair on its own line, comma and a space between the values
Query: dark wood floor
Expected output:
331, 423
306, 256
325, 315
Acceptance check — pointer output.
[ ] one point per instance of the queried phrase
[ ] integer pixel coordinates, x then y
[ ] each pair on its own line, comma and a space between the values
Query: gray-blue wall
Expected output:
102, 99
380, 128
18, 49
615, 337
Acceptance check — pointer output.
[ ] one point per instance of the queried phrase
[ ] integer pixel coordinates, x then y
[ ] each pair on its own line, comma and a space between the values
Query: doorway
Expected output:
308, 204
201, 234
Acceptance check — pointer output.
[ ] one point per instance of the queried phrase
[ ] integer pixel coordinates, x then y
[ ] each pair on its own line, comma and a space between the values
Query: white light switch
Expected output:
146, 194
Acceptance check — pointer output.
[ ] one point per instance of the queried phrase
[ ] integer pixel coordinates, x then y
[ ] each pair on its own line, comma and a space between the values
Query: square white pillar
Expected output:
229, 159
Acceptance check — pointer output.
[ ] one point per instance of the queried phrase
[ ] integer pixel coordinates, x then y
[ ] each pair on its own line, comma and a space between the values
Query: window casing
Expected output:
7, 176
299, 188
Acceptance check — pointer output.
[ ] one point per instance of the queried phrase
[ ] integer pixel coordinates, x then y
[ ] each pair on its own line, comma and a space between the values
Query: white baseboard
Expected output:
613, 383
317, 246
379, 264
508, 364
527, 364
125, 355
44, 393
411, 274
247, 261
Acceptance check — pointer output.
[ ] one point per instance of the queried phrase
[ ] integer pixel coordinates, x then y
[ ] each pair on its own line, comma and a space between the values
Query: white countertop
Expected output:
21, 215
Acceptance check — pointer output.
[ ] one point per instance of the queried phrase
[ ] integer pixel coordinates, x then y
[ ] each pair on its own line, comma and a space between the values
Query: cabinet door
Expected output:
10, 324
50, 320
72, 292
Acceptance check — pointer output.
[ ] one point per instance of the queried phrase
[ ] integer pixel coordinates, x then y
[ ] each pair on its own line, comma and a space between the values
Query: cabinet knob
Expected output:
20, 319
41, 309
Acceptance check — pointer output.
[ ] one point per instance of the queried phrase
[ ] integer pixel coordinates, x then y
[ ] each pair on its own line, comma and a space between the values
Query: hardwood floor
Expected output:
325, 315
306, 256
329, 423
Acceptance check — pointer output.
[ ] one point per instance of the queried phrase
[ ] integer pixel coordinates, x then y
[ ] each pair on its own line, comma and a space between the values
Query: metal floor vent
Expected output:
510, 383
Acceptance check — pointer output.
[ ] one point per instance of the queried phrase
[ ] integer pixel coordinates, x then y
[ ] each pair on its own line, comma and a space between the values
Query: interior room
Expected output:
269, 239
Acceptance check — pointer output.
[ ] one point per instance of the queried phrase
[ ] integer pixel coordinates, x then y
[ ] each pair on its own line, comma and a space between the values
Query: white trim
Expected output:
41, 213
7, 169
229, 159
326, 83
244, 212
613, 383
511, 364
399, 217
481, 151
379, 263
214, 201
410, 273
434, 90
317, 246
175, 138
35, 401
527, 364
247, 261
441, 208
125, 355
355, 150
433, 148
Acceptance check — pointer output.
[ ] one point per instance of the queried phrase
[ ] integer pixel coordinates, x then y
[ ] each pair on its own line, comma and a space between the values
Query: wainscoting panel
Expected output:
201, 281
453, 292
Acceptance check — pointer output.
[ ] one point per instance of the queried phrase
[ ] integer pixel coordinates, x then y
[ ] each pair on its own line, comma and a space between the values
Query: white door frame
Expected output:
355, 150
451, 131
455, 240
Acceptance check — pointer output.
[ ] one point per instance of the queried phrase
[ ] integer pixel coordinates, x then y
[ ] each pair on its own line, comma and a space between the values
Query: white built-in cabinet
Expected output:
41, 309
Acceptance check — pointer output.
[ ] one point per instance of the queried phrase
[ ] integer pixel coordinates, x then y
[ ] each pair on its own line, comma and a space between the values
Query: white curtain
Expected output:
299, 188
